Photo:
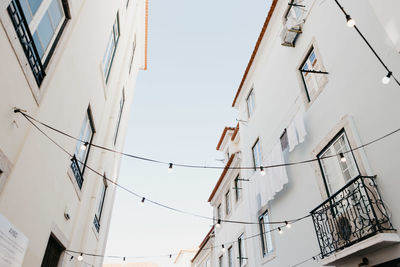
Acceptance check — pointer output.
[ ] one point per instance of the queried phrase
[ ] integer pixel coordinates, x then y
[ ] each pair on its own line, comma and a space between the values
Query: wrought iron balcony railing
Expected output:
25, 37
96, 223
354, 213
77, 171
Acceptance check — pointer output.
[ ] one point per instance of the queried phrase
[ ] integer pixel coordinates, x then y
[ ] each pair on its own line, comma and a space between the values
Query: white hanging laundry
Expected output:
292, 136
300, 127
275, 177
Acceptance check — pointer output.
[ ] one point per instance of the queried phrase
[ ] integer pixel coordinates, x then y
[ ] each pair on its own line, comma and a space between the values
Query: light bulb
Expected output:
288, 225
350, 22
170, 258
223, 248
386, 79
170, 168
84, 145
280, 230
80, 257
218, 225
262, 171
342, 157
142, 201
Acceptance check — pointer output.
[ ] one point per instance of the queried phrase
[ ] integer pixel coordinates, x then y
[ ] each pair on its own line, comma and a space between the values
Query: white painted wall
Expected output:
38, 189
353, 95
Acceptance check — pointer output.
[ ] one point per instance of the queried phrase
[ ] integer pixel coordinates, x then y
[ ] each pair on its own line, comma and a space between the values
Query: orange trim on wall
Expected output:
253, 55
221, 178
146, 32
235, 132
203, 243
223, 135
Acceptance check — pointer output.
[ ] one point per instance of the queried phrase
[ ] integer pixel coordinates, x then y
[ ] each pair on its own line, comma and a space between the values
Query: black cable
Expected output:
368, 44
306, 260
202, 166
140, 196
174, 254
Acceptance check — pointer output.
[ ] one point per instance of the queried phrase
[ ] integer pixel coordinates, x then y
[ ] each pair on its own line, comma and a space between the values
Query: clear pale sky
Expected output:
198, 51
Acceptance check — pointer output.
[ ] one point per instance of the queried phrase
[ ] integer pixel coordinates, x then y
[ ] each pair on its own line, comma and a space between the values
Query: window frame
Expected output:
133, 53
231, 257
241, 250
100, 205
256, 143
228, 204
91, 125
114, 36
250, 109
237, 185
120, 112
221, 260
265, 234
341, 132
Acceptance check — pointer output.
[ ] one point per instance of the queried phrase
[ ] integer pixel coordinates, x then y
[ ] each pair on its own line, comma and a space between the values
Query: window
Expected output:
207, 263
266, 240
53, 253
111, 47
219, 213
121, 108
284, 140
133, 53
228, 202
238, 187
256, 154
313, 82
230, 257
38, 24
293, 21
221, 261
82, 148
242, 251
99, 210
250, 103
337, 171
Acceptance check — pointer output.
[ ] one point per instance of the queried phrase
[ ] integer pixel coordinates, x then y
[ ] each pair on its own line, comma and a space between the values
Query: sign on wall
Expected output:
13, 244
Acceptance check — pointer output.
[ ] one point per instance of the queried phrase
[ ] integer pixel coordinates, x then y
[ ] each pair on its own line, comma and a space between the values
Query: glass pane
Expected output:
55, 12
26, 11
38, 45
45, 31
34, 4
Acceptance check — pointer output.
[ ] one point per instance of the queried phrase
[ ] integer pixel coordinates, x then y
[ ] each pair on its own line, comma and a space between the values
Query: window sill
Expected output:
269, 257
364, 247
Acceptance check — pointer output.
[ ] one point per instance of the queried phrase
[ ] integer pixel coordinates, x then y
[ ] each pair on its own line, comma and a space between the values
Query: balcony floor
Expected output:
373, 243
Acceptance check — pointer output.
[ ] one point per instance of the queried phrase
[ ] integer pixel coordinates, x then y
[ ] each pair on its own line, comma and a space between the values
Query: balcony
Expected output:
352, 220
77, 171
25, 38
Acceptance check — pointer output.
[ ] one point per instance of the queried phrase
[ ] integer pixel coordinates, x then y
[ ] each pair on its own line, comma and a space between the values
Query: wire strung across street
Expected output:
16, 110
227, 244
348, 17
315, 257
149, 200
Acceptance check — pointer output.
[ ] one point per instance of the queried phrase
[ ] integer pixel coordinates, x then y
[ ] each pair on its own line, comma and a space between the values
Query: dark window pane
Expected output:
45, 31
37, 44
53, 253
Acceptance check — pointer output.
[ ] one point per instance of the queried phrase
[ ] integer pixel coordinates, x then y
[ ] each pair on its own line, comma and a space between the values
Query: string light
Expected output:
29, 118
288, 225
350, 22
170, 258
342, 157
80, 257
84, 146
223, 248
218, 225
386, 79
262, 171
170, 167
142, 201
280, 230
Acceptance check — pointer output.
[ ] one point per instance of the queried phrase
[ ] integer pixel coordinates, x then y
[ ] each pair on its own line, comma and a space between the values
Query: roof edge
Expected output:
253, 55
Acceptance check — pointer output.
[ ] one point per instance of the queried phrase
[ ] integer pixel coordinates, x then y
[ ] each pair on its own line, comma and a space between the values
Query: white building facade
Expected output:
73, 65
204, 256
313, 92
